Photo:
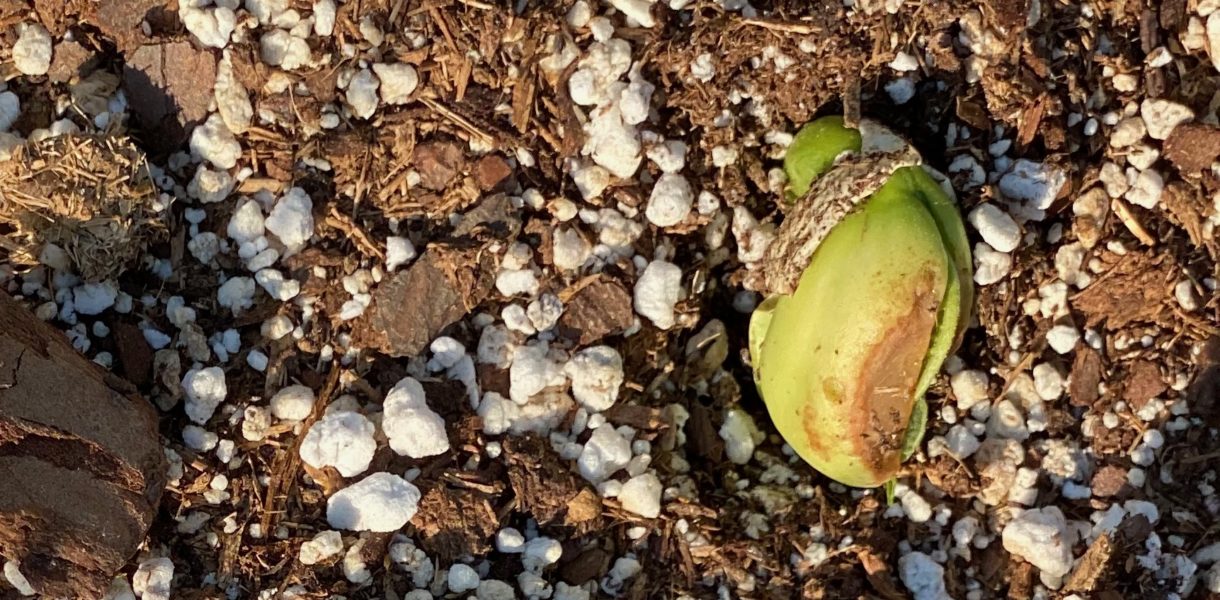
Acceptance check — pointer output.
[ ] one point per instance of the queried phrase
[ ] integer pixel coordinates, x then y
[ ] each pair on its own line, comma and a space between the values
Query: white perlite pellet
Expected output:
32, 52
924, 577
657, 291
340, 439
1041, 537
996, 227
1146, 190
1162, 116
398, 81
597, 375
990, 266
381, 502
642, 495
153, 579
670, 201
414, 429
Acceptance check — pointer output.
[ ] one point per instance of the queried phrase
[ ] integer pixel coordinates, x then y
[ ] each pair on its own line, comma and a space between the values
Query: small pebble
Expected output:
904, 62
1186, 296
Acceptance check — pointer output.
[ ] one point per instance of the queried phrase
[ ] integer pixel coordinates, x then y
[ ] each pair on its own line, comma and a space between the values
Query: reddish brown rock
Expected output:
1108, 481
438, 164
80, 459
493, 173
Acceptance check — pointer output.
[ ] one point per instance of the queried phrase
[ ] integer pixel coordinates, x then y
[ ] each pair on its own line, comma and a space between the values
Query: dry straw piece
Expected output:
93, 196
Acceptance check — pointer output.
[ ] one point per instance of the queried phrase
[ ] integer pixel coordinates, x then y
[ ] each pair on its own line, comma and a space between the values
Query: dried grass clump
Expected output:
93, 196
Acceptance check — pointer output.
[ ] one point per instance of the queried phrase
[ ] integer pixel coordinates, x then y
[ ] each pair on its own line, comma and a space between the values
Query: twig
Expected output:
1104, 276
444, 27
345, 224
252, 185
1195, 321
785, 26
266, 135
427, 6
851, 101
1200, 458
10, 245
1133, 224
1011, 376
364, 168
486, 488
287, 464
486, 138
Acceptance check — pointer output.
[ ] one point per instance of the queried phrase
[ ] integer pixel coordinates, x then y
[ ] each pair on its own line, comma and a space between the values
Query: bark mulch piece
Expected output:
80, 458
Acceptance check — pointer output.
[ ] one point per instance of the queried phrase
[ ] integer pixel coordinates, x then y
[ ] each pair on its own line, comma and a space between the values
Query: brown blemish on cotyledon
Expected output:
813, 439
886, 382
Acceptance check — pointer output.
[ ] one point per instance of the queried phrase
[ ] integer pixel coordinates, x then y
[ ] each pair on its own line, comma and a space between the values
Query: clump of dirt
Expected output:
92, 196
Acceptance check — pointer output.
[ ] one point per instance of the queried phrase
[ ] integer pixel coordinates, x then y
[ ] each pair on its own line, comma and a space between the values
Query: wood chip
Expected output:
452, 523
543, 484
169, 88
1030, 120
120, 20
1134, 290
1142, 383
134, 354
411, 308
1193, 147
585, 506
1021, 581
69, 61
1172, 13
1092, 567
1203, 395
599, 309
1185, 207
586, 566
1087, 371
645, 418
80, 460
702, 436
879, 574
